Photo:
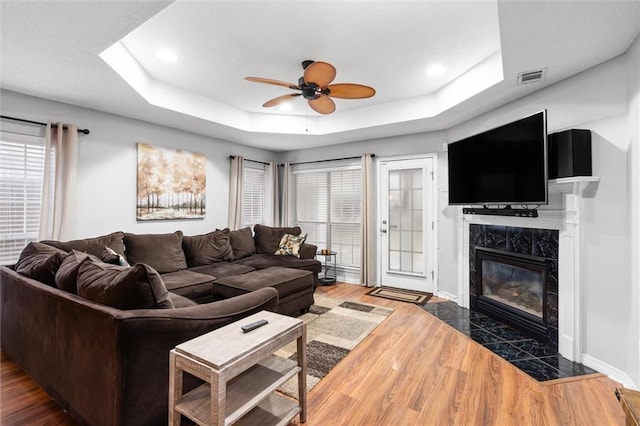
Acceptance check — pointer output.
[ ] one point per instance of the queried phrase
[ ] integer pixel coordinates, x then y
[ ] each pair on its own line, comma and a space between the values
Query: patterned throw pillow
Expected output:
109, 255
290, 245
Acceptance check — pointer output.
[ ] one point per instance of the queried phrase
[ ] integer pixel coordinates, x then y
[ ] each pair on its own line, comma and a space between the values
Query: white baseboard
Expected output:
612, 372
447, 295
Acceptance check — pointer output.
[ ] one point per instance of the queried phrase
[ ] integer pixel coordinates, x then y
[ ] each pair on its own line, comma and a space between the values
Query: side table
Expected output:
330, 265
241, 374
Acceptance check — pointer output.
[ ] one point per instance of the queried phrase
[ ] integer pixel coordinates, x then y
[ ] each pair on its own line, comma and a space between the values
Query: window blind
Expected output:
327, 207
21, 172
253, 197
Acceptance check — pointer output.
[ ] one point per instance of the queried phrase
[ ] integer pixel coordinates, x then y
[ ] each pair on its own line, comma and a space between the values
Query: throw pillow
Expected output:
163, 252
110, 256
93, 246
208, 248
290, 245
242, 243
268, 237
40, 262
67, 275
137, 287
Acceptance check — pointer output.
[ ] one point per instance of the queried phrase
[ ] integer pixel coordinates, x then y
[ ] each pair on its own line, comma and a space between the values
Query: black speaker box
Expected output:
569, 153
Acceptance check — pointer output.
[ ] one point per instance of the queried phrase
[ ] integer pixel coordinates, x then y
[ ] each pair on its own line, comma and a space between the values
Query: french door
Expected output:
407, 223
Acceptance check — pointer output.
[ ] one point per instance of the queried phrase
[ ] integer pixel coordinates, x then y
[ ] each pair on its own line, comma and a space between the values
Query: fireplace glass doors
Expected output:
512, 285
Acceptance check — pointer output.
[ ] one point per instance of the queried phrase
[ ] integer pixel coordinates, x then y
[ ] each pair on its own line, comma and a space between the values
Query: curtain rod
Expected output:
39, 123
231, 157
332, 159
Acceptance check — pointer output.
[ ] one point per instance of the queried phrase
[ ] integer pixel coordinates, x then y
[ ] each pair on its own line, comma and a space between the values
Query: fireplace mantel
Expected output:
564, 213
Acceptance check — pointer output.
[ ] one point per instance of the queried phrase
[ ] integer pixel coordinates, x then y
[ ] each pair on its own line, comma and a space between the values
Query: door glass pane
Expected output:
394, 240
417, 220
394, 181
418, 263
405, 238
394, 260
406, 251
417, 242
405, 219
405, 261
417, 199
416, 182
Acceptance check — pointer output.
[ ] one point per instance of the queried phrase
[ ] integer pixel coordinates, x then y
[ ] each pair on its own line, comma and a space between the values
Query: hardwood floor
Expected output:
23, 402
412, 370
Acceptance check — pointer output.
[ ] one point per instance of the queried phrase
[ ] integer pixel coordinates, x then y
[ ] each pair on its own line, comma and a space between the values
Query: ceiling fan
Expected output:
315, 87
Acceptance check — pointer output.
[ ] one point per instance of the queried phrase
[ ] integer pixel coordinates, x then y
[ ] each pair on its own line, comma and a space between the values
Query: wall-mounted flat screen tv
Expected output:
506, 165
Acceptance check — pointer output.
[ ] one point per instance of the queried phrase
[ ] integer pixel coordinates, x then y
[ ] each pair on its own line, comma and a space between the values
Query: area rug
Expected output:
417, 297
334, 328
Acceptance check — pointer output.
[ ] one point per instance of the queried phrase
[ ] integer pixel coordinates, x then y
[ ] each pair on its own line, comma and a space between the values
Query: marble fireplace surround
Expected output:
515, 241
564, 214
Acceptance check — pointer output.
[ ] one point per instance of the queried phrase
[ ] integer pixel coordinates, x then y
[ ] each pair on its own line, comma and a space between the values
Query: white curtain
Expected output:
272, 195
59, 186
286, 216
367, 223
235, 192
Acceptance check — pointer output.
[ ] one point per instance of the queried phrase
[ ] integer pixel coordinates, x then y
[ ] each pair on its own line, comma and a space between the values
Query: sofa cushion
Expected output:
181, 301
163, 252
40, 262
137, 287
189, 284
208, 248
242, 243
94, 246
263, 261
67, 275
290, 245
286, 280
222, 269
268, 238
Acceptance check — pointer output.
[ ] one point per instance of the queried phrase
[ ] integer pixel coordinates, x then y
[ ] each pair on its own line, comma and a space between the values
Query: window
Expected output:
253, 197
21, 173
327, 207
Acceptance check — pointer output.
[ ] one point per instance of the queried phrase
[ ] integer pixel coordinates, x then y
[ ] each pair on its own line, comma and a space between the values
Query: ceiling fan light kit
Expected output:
315, 87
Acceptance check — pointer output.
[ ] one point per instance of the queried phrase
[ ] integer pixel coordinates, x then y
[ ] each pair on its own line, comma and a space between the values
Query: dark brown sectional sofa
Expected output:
101, 351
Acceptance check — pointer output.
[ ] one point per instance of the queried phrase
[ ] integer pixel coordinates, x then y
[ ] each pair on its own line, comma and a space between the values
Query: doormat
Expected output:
402, 295
334, 328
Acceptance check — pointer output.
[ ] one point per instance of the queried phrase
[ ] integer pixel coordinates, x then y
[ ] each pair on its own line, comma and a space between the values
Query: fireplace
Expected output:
511, 254
510, 287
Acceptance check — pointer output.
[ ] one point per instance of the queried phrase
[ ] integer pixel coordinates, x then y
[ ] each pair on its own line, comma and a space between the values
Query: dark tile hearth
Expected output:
532, 357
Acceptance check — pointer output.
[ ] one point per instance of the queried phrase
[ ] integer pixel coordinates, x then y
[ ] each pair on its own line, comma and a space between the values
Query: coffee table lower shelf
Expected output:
250, 396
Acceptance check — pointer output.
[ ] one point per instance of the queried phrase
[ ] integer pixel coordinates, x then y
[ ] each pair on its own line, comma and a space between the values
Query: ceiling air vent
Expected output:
531, 76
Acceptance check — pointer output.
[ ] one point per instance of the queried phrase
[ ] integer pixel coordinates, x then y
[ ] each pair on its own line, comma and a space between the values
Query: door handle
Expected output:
384, 231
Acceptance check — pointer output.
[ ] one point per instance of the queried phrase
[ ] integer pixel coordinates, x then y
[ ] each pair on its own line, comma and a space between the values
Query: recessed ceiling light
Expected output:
436, 70
166, 55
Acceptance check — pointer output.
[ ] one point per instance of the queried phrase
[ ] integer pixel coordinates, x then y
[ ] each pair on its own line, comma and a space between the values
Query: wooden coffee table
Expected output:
241, 374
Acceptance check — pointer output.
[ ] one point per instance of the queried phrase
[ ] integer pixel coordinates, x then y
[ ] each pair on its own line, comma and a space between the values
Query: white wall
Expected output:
107, 166
633, 90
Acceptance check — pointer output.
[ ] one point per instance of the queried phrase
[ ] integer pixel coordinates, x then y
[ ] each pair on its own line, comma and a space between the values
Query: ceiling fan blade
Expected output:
275, 82
320, 73
280, 100
350, 91
322, 104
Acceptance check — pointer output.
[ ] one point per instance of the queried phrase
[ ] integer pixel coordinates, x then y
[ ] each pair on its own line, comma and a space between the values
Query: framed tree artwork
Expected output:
171, 184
